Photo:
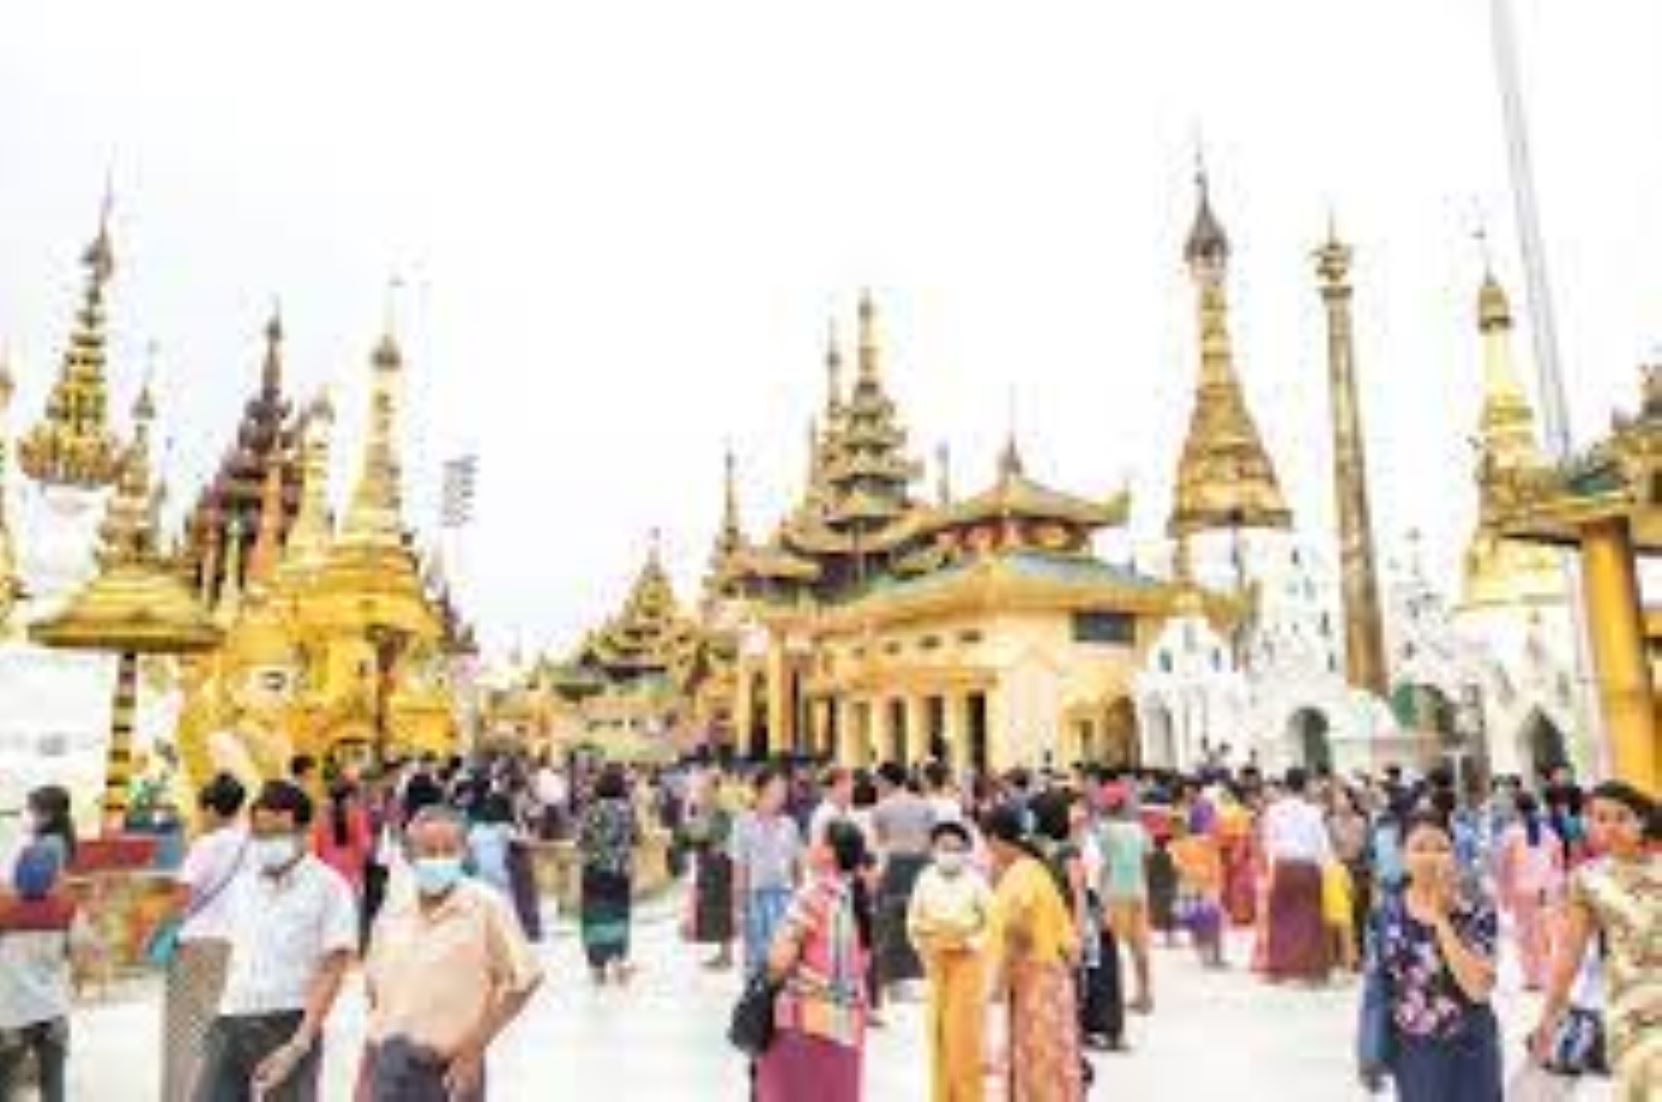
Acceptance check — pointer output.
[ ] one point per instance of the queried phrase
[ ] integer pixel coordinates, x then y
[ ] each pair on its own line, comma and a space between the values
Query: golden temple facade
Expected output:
334, 646
874, 625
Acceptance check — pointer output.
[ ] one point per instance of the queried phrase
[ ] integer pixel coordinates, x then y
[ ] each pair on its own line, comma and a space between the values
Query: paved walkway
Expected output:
1214, 1035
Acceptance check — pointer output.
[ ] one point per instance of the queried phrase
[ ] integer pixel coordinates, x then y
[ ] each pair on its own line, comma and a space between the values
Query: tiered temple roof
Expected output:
859, 527
266, 441
72, 445
649, 639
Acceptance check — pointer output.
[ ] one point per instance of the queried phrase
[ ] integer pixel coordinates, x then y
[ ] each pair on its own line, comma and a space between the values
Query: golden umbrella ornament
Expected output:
135, 605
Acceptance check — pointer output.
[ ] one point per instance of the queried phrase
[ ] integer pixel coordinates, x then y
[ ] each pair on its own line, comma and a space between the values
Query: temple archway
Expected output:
1308, 731
1119, 731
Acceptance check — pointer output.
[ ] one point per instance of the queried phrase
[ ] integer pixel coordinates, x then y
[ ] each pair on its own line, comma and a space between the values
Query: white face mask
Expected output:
275, 853
950, 862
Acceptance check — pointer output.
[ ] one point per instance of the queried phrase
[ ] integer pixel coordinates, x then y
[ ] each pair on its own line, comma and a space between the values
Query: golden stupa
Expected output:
333, 645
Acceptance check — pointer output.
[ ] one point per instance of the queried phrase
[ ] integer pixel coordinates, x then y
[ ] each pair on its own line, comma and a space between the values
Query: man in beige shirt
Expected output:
448, 969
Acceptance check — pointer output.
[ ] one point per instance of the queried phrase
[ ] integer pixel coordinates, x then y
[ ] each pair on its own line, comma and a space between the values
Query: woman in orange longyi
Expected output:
948, 920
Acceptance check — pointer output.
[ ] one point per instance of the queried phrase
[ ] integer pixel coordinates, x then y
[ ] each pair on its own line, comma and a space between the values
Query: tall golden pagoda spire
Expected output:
1364, 625
311, 534
1500, 571
1225, 479
72, 444
375, 515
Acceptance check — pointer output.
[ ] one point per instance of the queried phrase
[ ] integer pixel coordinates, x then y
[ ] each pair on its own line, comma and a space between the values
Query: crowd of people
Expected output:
1023, 910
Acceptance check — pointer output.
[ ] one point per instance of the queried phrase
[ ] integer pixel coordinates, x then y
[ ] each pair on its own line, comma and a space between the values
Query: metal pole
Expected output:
1543, 332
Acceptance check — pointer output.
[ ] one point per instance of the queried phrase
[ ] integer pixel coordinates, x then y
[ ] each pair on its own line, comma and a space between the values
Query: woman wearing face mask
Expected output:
818, 958
1617, 894
948, 920
1432, 956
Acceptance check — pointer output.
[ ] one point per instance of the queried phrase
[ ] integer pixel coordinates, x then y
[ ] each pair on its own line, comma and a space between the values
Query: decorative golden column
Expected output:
780, 717
1364, 628
1616, 626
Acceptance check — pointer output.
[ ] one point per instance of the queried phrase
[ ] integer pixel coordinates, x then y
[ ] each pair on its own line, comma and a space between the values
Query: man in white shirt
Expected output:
836, 804
1297, 848
293, 928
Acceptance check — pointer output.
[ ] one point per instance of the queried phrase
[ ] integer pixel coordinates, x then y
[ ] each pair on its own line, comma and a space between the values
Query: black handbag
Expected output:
750, 1029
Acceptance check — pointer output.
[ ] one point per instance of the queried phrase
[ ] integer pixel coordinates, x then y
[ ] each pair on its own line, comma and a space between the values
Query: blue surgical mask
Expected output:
437, 875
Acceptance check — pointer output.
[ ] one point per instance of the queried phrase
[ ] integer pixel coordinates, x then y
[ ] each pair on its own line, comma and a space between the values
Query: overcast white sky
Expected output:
624, 226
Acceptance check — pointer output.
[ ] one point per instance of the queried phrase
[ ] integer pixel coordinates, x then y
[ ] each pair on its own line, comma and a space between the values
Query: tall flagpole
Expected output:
1542, 325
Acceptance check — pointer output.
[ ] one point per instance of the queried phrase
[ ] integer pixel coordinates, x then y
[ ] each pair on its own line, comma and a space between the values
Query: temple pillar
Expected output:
953, 708
878, 731
781, 715
743, 708
917, 728
1615, 626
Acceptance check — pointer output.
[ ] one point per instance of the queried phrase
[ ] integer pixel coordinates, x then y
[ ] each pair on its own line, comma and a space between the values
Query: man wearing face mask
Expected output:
948, 920
448, 969
293, 928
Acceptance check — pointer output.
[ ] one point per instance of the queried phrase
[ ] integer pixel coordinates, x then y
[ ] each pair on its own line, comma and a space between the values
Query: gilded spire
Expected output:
833, 377
271, 372
72, 444
1364, 627
870, 368
1225, 479
1500, 571
375, 515
731, 536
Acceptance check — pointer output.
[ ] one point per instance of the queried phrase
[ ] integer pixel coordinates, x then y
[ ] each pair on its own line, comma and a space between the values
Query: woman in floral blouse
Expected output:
1436, 955
1618, 894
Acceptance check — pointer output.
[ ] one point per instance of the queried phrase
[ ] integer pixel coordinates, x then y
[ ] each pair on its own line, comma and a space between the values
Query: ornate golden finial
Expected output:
310, 535
869, 367
833, 374
1009, 460
1333, 260
732, 529
72, 444
375, 513
1208, 246
271, 374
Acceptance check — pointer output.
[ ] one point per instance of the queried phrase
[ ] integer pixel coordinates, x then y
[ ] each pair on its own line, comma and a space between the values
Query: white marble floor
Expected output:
1214, 1035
